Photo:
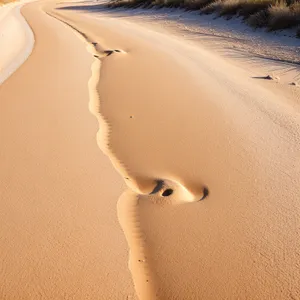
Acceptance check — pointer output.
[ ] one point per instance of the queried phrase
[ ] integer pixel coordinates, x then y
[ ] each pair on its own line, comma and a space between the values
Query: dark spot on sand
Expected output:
268, 77
167, 192
109, 52
205, 193
158, 187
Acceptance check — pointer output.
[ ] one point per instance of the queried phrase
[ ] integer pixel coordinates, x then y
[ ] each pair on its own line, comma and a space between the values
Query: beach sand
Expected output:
60, 236
175, 120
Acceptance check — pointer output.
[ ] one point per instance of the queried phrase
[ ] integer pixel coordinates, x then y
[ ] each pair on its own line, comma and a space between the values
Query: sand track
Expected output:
179, 124
186, 117
60, 236
143, 277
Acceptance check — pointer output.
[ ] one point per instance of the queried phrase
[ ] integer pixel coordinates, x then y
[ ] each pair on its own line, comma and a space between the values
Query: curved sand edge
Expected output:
64, 187
223, 247
192, 117
139, 263
140, 260
16, 36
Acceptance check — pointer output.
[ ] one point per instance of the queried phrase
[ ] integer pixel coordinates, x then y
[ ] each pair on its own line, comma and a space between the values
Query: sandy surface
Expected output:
276, 52
60, 236
172, 115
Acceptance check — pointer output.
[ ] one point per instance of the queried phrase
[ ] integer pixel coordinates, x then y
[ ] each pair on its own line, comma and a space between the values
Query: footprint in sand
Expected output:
167, 192
167, 188
110, 52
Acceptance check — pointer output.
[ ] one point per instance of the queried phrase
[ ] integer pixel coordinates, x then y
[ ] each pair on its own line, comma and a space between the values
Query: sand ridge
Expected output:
60, 236
178, 129
140, 267
103, 135
203, 129
143, 276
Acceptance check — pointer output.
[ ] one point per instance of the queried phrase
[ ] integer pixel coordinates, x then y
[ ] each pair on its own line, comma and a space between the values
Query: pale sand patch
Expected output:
183, 115
259, 52
16, 39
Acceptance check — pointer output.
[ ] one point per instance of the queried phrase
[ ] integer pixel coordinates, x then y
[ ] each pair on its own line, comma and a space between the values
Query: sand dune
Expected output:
209, 155
60, 236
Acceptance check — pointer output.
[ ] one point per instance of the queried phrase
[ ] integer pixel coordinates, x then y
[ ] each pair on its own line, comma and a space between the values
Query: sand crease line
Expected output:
60, 235
139, 262
139, 265
187, 118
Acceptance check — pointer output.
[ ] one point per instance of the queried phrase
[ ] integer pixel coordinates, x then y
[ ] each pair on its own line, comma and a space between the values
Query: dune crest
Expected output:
208, 155
181, 130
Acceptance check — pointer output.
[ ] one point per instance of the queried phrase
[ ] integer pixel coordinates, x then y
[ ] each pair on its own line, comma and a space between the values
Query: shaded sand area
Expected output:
59, 233
175, 120
273, 52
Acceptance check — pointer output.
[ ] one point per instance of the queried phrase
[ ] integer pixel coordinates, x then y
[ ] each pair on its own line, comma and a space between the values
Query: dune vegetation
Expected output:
2, 2
272, 14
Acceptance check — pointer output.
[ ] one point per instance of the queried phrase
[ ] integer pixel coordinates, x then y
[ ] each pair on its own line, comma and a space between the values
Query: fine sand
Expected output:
60, 236
174, 119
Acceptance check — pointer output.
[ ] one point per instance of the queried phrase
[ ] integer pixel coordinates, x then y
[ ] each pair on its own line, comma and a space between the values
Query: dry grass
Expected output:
212, 7
2, 2
250, 8
272, 14
174, 3
258, 19
230, 7
283, 16
197, 4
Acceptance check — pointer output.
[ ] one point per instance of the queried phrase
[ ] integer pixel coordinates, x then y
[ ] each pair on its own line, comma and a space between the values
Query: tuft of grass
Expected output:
2, 2
272, 14
258, 19
213, 7
230, 7
250, 8
196, 4
283, 16
174, 3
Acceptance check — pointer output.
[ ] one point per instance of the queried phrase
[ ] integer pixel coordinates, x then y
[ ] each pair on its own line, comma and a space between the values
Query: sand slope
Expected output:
59, 233
172, 116
187, 117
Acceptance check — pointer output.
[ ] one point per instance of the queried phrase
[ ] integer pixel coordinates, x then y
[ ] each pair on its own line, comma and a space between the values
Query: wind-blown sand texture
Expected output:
174, 119
60, 236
